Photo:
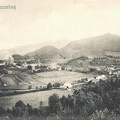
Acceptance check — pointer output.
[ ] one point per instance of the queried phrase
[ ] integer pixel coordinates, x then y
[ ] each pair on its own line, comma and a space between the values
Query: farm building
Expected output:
13, 70
101, 77
66, 85
96, 79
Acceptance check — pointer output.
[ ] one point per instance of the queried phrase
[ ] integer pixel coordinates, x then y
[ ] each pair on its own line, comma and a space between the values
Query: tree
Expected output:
17, 56
2, 111
30, 87
49, 86
36, 111
41, 104
29, 67
64, 101
20, 104
36, 87
55, 105
29, 109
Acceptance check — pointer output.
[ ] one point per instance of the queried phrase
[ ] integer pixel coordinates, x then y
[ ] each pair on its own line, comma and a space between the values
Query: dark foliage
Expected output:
49, 86
94, 101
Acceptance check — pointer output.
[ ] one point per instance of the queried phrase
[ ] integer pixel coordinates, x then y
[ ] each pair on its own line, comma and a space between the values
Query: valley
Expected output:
26, 76
41, 79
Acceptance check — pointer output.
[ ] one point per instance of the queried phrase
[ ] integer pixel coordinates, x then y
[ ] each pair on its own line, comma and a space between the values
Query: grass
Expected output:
32, 98
39, 79
45, 77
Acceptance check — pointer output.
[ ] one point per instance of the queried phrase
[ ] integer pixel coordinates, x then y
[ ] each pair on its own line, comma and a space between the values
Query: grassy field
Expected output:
32, 98
23, 80
38, 80
61, 76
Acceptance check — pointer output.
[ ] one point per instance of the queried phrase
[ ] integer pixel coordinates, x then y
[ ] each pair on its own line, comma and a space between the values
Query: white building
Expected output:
66, 85
101, 77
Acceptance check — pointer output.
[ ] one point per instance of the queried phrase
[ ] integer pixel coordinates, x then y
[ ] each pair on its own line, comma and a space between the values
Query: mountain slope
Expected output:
99, 45
95, 46
22, 50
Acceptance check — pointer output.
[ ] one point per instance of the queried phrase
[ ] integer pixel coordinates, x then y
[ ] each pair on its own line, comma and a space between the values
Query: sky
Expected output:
37, 21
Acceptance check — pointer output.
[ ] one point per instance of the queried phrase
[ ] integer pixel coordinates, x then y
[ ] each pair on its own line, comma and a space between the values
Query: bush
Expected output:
56, 85
20, 104
49, 86
104, 115
2, 111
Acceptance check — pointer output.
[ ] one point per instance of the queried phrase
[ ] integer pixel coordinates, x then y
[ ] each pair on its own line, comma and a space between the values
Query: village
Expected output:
102, 68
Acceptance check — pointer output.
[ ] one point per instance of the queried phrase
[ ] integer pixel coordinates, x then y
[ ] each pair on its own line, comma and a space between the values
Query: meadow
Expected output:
44, 78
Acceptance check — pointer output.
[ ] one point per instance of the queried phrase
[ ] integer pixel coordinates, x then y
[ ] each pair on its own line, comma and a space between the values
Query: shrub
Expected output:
49, 86
56, 85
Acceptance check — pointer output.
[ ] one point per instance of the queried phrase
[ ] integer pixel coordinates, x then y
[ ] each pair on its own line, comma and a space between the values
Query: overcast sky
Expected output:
36, 21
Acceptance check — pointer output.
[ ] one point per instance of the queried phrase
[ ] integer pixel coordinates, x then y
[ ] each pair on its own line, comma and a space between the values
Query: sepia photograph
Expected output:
59, 59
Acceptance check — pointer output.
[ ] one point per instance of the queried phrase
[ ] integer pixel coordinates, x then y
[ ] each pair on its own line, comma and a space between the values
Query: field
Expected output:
40, 79
61, 76
23, 80
32, 98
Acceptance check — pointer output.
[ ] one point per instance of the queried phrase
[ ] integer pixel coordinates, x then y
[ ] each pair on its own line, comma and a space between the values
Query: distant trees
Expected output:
29, 67
17, 56
30, 87
36, 67
2, 111
49, 86
1, 61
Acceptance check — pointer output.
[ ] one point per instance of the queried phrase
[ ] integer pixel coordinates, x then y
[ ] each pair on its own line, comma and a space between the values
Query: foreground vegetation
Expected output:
99, 101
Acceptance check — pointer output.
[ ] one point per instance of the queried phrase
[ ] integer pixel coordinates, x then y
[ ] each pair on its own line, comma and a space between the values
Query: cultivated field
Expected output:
44, 78
23, 80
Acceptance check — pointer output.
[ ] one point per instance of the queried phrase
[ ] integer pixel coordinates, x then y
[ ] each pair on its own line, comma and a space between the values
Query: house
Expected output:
13, 70
66, 85
2, 64
101, 77
94, 80
98, 78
